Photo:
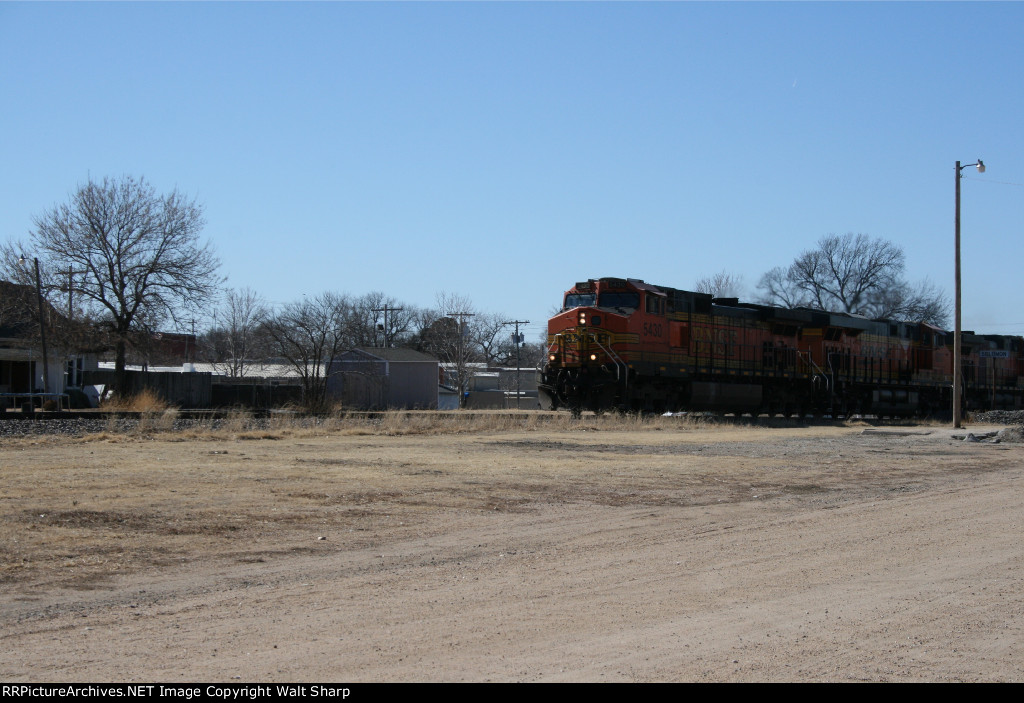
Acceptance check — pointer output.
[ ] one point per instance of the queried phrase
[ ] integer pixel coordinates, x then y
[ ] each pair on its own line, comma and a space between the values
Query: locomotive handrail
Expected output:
817, 368
607, 350
555, 344
615, 358
832, 371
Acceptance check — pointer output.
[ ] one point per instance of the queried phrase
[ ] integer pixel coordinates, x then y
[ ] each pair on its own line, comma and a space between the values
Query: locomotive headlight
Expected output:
583, 318
593, 357
551, 357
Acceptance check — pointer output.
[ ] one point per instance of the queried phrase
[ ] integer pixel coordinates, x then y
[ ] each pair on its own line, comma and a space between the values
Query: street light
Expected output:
42, 326
957, 353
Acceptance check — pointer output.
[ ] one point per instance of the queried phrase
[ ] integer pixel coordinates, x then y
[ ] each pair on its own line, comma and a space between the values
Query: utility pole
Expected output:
518, 339
958, 374
42, 327
385, 310
71, 283
42, 331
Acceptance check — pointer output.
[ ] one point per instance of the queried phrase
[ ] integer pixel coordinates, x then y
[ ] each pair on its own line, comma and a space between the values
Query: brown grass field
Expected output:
512, 548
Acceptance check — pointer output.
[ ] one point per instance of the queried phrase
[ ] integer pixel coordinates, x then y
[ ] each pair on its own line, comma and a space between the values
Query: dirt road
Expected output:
654, 554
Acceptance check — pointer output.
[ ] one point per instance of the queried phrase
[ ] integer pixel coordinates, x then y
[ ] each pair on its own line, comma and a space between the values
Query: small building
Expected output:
167, 349
503, 388
447, 398
378, 378
21, 358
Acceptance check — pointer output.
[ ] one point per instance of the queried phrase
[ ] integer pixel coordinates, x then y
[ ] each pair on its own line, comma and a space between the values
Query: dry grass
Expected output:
243, 425
402, 423
146, 401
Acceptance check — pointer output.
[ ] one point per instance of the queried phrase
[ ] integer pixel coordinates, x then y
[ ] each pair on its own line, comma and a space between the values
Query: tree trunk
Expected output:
120, 375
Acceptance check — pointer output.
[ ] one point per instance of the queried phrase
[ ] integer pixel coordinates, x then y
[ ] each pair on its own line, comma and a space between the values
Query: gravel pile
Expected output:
1012, 419
1011, 434
1000, 417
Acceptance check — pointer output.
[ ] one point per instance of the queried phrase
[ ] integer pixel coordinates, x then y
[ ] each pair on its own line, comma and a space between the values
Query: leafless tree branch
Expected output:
133, 255
854, 273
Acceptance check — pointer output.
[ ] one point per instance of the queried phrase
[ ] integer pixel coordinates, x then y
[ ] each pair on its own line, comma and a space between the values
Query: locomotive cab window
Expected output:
619, 299
578, 300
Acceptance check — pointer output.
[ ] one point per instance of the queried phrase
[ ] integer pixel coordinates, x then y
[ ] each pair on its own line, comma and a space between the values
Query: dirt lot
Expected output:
590, 551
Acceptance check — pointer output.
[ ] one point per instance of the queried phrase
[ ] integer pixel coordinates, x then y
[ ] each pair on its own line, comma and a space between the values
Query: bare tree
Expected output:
309, 335
721, 285
237, 338
378, 320
446, 333
777, 289
490, 333
854, 273
843, 273
902, 301
533, 354
133, 255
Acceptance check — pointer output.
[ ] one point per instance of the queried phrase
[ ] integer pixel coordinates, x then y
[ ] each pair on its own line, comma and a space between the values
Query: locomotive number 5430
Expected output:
652, 329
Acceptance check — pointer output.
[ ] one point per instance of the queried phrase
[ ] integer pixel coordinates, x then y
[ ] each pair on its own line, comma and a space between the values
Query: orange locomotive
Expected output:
625, 344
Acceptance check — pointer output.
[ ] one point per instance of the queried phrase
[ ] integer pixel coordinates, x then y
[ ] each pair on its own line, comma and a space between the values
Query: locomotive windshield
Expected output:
619, 299
578, 300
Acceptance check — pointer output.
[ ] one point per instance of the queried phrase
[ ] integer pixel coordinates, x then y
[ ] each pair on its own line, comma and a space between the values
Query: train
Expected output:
623, 344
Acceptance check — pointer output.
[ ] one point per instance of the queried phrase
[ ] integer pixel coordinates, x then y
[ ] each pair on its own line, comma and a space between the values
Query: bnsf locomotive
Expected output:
625, 344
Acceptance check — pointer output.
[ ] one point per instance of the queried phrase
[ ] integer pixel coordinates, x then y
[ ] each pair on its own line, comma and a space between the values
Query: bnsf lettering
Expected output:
713, 341
652, 329
573, 338
876, 352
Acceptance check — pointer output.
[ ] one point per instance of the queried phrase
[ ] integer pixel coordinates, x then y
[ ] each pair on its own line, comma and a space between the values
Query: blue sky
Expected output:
503, 151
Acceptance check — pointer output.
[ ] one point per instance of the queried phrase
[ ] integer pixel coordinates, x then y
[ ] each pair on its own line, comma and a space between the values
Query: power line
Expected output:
989, 180
385, 310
